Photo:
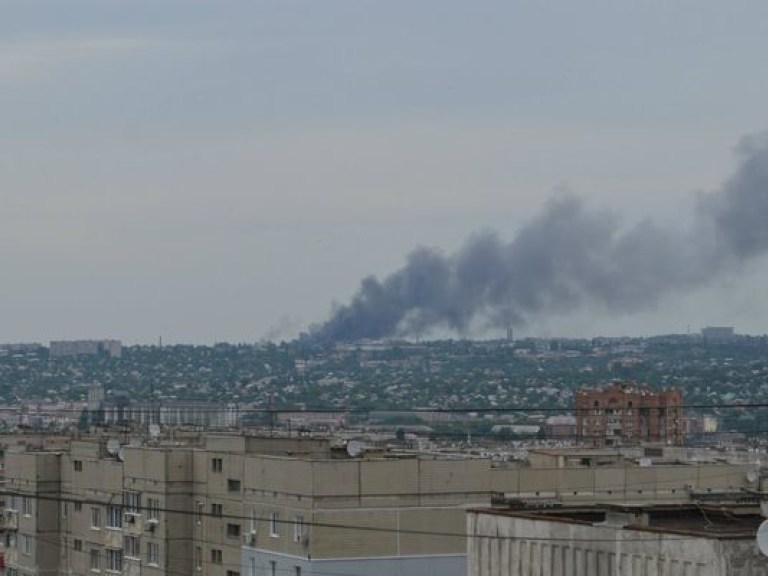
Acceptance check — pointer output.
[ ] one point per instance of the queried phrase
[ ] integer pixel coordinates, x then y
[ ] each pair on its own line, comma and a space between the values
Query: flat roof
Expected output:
737, 521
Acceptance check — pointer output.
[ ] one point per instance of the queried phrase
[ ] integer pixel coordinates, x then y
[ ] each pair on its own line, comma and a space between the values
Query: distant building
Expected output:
61, 348
627, 413
717, 334
691, 540
560, 427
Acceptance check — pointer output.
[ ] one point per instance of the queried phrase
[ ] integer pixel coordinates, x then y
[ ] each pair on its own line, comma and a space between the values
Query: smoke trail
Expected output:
565, 258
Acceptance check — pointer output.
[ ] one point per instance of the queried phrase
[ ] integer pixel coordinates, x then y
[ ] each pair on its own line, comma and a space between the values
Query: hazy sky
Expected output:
212, 171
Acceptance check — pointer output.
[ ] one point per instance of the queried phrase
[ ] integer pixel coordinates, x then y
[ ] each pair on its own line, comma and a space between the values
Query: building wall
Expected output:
258, 563
33, 518
620, 483
516, 546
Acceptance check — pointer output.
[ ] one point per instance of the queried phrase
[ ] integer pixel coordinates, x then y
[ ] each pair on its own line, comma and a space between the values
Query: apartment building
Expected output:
32, 514
232, 505
63, 348
84, 511
628, 413
223, 505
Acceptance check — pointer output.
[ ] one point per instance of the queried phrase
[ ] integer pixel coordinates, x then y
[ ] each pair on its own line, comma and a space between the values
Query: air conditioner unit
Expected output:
250, 538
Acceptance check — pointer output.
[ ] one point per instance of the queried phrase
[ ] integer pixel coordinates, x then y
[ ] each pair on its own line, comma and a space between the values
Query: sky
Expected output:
230, 171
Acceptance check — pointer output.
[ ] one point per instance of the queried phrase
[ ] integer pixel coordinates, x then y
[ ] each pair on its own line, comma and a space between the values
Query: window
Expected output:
12, 502
297, 570
217, 510
63, 508
153, 553
78, 545
233, 485
114, 560
199, 512
78, 506
298, 528
253, 566
95, 560
153, 508
95, 517
216, 556
274, 525
272, 568
199, 558
217, 464
114, 517
132, 502
77, 465
233, 530
232, 573
254, 521
26, 506
26, 544
132, 547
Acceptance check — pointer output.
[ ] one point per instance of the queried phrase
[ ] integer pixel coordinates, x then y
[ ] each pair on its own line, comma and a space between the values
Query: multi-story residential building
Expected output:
224, 505
628, 413
60, 348
33, 545
234, 504
85, 511
718, 334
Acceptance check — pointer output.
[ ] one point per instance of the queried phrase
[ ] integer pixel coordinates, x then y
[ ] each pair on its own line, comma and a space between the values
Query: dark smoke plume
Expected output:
566, 257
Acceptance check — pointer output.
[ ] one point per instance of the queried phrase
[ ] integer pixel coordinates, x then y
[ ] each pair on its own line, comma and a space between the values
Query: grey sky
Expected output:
226, 170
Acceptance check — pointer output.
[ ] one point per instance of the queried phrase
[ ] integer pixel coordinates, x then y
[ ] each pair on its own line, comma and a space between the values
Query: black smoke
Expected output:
567, 257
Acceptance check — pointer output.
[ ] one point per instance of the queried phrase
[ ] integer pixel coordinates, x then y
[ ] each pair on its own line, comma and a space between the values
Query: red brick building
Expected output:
628, 413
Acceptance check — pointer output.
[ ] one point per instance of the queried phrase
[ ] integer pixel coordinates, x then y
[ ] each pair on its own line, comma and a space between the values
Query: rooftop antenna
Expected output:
762, 538
355, 448
113, 447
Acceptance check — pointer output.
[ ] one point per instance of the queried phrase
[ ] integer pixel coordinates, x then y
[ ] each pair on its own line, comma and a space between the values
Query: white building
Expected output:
683, 540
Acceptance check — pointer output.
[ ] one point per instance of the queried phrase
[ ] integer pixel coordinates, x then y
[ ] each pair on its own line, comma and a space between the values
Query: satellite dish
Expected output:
355, 448
752, 475
154, 430
113, 446
762, 538
121, 454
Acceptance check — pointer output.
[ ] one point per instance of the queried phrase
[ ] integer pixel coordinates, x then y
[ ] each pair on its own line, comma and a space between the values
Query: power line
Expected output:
30, 409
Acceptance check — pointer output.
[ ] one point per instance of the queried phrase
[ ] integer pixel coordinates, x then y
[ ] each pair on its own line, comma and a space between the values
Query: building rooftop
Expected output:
732, 522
